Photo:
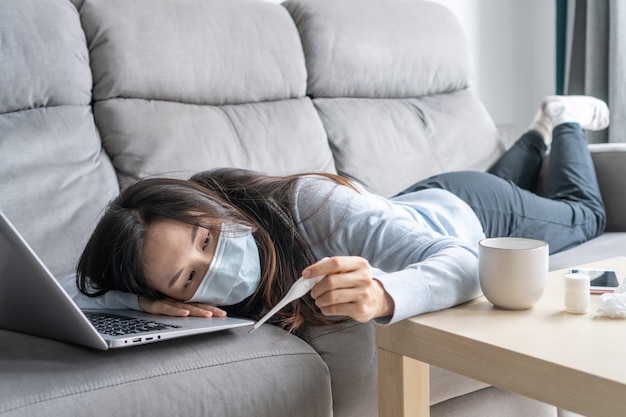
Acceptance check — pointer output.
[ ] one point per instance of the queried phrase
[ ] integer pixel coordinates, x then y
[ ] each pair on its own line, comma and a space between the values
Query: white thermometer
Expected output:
299, 288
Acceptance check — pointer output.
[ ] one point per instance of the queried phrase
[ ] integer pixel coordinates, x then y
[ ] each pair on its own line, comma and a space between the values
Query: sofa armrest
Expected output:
609, 160
610, 163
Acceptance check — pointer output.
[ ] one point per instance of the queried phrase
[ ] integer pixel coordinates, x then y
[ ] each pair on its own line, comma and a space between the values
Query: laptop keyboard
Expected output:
115, 325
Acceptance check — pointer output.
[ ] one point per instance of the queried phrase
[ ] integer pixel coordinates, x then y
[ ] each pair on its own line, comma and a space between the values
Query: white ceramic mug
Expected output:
513, 271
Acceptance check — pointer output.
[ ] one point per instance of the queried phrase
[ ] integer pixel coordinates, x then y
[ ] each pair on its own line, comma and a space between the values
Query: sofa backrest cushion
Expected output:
54, 177
391, 81
181, 87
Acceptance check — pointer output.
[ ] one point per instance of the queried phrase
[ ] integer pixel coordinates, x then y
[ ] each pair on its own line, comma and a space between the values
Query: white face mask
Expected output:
235, 271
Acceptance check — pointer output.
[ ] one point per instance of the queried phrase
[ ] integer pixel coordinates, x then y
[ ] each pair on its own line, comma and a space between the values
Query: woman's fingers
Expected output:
197, 309
335, 265
349, 289
161, 306
171, 307
362, 301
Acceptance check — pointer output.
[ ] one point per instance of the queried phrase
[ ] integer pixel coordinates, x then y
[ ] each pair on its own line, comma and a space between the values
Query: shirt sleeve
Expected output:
115, 300
420, 269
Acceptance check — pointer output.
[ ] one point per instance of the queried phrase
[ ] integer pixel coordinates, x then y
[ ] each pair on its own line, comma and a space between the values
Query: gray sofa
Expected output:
95, 94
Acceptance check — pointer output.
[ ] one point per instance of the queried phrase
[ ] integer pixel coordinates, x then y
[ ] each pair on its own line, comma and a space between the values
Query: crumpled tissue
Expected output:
614, 304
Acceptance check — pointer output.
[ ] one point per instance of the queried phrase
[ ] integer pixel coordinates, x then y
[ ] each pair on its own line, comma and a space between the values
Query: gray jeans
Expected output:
505, 201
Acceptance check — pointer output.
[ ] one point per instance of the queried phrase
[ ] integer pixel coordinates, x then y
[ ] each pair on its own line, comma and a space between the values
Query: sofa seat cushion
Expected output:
223, 374
607, 245
445, 385
493, 402
349, 350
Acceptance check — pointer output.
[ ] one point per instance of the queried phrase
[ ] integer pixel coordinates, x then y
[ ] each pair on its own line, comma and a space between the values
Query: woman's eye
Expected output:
205, 243
190, 278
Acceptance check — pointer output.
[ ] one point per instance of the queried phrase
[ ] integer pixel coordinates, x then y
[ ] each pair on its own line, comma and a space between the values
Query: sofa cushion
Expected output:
391, 82
349, 350
208, 52
493, 402
226, 87
178, 139
54, 69
224, 374
381, 49
609, 161
607, 245
389, 144
54, 177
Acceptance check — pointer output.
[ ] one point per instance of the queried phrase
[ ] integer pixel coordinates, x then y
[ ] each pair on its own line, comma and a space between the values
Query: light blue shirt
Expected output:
422, 246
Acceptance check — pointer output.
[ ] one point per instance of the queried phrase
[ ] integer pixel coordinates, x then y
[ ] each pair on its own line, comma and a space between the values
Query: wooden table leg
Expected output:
403, 386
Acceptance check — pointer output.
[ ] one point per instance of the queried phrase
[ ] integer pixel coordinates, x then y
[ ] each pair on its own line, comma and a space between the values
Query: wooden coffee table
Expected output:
575, 362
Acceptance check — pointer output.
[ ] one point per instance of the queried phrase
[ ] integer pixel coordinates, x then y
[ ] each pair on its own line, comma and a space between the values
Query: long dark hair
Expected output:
112, 258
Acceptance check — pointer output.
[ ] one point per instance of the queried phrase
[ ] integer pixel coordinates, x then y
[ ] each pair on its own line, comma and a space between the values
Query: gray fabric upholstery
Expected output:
392, 86
607, 245
211, 99
54, 70
389, 144
357, 49
492, 402
610, 163
178, 140
208, 52
350, 352
445, 385
223, 374
54, 178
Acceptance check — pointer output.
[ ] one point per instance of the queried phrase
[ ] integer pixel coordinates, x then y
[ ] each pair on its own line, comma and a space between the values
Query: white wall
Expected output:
513, 45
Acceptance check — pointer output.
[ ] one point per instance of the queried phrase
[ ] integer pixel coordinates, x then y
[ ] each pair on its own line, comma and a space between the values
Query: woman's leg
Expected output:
521, 164
571, 173
572, 214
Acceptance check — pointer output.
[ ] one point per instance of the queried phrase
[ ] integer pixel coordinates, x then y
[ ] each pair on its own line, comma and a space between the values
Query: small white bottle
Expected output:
577, 293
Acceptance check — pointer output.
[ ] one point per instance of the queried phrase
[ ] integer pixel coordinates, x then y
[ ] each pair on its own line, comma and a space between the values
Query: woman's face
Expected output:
176, 257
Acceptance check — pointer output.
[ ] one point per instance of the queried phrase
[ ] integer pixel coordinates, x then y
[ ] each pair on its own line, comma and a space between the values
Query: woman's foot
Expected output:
589, 112
542, 125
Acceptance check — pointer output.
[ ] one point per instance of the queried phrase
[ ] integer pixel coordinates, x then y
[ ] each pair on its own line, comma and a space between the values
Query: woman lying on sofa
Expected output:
237, 240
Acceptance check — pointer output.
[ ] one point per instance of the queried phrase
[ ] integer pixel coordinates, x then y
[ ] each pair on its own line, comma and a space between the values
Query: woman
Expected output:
237, 240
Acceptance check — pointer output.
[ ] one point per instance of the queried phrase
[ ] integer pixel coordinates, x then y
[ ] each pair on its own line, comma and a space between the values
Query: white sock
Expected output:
542, 125
589, 112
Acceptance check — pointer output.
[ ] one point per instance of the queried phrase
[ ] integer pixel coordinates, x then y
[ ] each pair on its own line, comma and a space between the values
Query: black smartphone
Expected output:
602, 280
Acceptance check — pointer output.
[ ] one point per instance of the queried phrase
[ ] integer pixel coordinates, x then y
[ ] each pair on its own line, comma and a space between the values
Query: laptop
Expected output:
32, 301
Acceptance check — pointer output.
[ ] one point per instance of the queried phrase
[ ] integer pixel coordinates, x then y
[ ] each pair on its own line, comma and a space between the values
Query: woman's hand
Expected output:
172, 307
349, 289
